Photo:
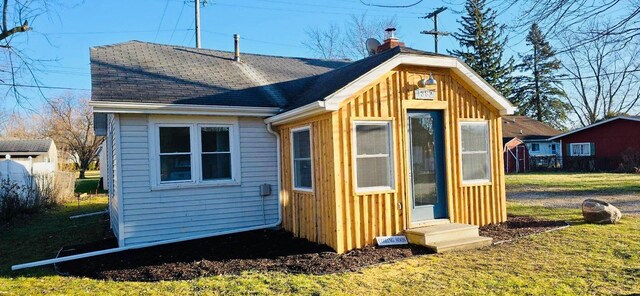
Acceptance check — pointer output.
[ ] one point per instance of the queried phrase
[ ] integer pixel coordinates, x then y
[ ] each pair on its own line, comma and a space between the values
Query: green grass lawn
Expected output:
604, 183
581, 259
90, 184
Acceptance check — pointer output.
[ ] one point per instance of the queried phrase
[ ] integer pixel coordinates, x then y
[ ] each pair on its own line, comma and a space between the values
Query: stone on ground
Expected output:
600, 212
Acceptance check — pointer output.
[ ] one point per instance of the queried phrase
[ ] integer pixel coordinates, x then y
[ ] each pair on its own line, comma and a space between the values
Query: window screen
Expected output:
175, 153
301, 150
216, 153
475, 151
373, 161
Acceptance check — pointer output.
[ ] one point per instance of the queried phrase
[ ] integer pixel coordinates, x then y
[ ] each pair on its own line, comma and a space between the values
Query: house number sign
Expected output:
425, 94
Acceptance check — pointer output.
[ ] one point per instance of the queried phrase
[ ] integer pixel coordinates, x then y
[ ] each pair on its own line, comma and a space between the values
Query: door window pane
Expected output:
302, 168
373, 158
475, 151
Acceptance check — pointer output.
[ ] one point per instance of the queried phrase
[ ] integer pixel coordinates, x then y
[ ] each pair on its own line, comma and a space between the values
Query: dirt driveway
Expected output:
628, 203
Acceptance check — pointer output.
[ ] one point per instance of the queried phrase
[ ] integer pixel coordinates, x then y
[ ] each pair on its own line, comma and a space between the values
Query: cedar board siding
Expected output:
155, 215
354, 220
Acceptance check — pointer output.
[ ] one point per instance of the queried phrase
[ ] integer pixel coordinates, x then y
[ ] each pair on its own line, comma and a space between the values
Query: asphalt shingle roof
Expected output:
153, 73
526, 128
41, 145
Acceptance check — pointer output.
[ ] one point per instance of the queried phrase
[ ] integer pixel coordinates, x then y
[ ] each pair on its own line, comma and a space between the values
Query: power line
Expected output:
43, 87
177, 22
164, 11
391, 6
108, 32
301, 11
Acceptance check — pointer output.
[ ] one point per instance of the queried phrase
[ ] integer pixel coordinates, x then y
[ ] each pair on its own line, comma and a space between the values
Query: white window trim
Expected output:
486, 181
390, 157
293, 169
194, 123
571, 145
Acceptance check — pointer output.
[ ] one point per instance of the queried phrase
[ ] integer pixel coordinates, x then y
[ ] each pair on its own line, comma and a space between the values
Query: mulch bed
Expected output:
263, 250
519, 226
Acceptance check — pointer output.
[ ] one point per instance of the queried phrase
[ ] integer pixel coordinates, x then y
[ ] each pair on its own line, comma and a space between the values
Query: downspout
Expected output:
146, 245
279, 167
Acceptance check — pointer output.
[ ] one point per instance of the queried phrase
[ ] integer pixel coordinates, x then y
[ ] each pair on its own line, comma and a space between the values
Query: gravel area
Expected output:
627, 203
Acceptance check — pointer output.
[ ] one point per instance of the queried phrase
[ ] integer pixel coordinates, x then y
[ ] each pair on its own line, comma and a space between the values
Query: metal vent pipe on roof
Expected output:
236, 42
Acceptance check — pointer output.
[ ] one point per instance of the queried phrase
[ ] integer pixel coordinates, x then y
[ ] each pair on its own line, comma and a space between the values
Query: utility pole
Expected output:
435, 32
197, 23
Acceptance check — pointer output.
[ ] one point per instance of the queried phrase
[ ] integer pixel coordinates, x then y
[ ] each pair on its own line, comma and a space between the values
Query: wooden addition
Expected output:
333, 214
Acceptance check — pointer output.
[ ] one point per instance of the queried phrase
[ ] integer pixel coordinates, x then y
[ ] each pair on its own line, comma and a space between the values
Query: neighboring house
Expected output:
20, 160
527, 144
40, 150
205, 142
601, 146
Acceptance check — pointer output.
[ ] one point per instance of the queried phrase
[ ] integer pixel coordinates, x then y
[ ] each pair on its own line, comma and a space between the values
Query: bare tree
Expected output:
326, 44
603, 77
68, 120
349, 42
17, 69
574, 16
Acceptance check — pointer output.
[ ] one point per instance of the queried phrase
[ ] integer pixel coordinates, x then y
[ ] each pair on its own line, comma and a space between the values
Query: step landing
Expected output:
448, 237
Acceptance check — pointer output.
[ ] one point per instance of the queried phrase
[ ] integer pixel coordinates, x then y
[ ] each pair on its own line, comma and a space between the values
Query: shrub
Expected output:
630, 161
39, 191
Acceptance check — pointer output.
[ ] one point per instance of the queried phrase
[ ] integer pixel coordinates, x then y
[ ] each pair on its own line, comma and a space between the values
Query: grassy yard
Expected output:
581, 259
90, 184
574, 183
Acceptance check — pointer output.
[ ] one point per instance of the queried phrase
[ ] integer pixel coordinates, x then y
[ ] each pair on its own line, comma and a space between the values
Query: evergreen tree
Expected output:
539, 94
482, 44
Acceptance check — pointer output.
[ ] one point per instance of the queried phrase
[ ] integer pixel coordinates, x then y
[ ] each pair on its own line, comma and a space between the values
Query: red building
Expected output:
609, 145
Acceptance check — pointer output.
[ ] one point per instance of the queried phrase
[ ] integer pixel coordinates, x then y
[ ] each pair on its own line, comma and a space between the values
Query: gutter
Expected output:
181, 109
314, 108
146, 245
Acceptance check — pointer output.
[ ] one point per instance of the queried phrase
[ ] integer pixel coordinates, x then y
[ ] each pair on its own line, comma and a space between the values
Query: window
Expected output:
535, 147
216, 153
553, 147
580, 149
373, 156
474, 137
187, 154
175, 153
301, 151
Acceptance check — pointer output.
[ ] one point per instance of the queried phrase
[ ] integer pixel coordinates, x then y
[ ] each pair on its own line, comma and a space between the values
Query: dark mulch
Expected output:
519, 226
263, 250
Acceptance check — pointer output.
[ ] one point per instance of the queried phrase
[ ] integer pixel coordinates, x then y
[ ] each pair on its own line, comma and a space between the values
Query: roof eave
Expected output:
594, 125
181, 109
306, 111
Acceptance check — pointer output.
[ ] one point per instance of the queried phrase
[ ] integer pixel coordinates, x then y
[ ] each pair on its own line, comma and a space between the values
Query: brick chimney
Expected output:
390, 42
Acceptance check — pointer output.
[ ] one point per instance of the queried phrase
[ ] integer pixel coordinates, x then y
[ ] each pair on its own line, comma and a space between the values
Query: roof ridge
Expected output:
217, 50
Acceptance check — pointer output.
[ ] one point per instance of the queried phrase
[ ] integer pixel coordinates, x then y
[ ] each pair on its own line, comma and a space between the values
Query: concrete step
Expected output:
461, 244
439, 233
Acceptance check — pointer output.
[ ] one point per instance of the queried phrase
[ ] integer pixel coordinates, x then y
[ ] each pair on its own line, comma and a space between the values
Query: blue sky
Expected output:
275, 27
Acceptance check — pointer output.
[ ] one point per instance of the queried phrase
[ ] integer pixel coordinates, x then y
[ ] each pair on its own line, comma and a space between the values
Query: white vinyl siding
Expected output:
580, 149
373, 159
110, 172
170, 213
474, 139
